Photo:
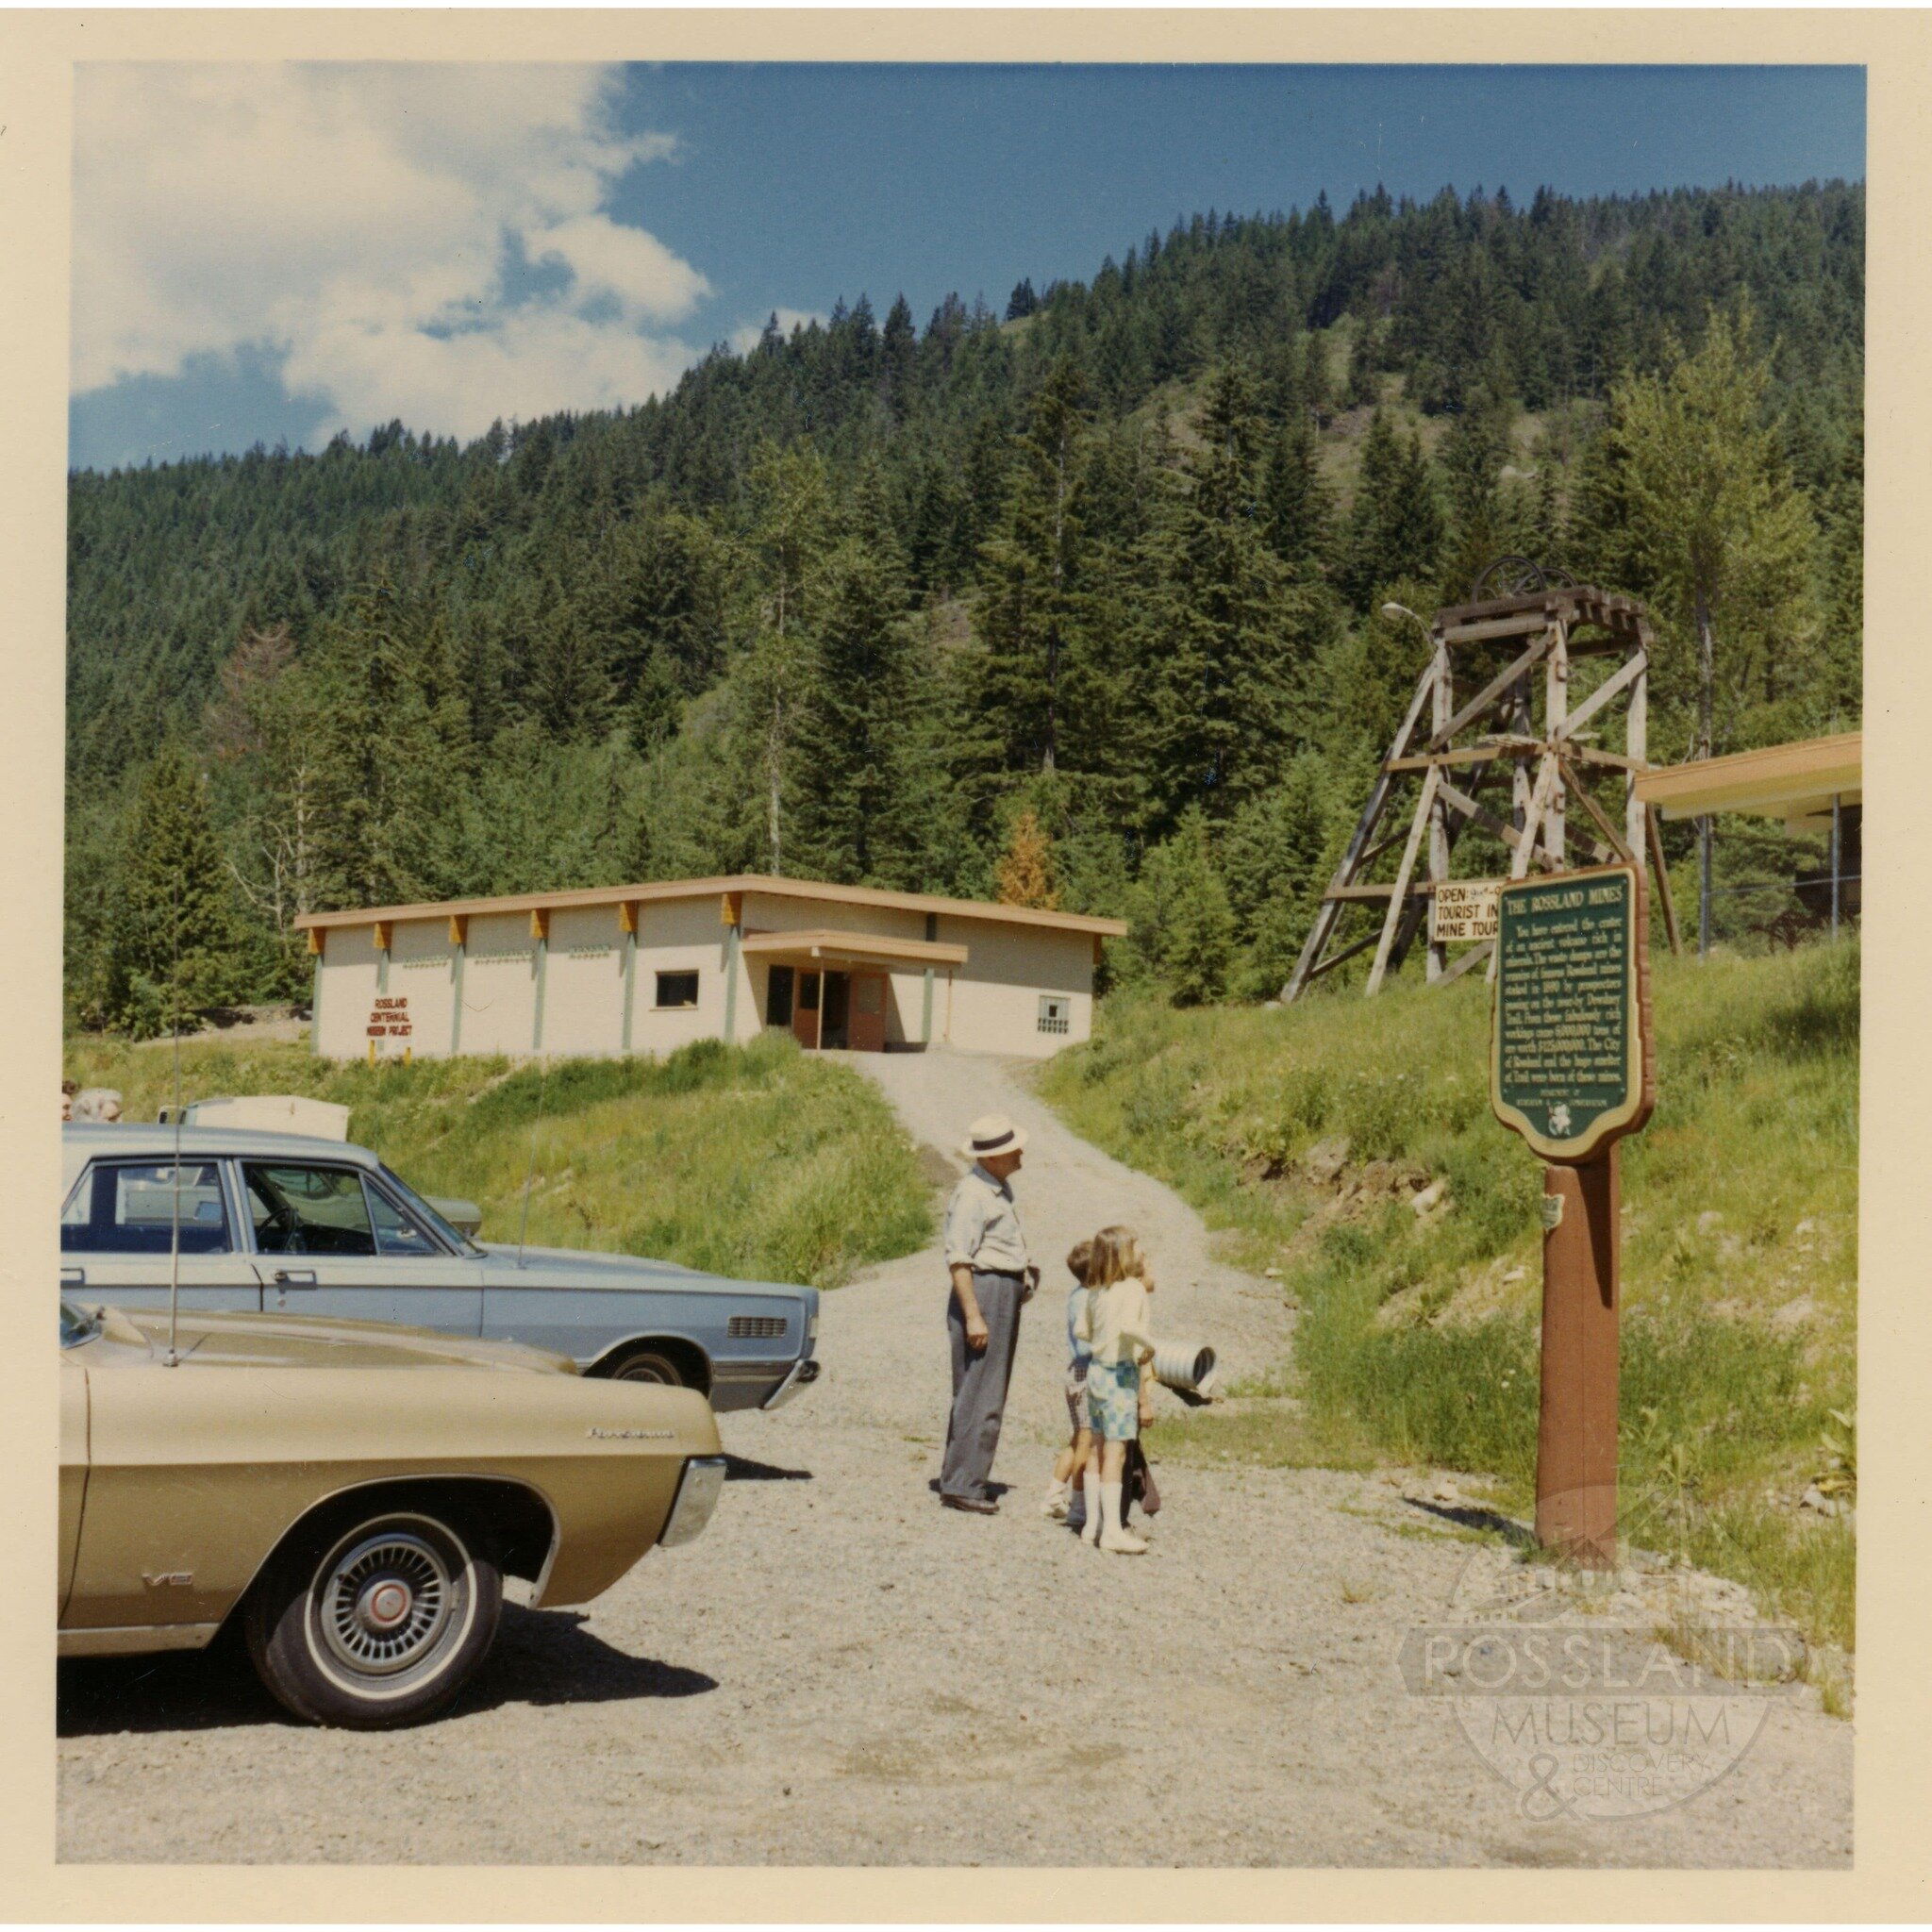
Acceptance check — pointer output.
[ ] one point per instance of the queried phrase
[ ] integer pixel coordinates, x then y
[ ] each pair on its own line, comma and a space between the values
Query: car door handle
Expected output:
73, 1277
295, 1277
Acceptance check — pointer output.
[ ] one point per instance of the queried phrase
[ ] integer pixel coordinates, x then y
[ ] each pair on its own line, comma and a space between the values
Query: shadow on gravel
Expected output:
213, 1690
1469, 1516
547, 1657
742, 1468
541, 1657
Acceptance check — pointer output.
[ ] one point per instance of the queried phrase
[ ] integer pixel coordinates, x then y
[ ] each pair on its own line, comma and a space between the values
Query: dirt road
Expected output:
841, 1671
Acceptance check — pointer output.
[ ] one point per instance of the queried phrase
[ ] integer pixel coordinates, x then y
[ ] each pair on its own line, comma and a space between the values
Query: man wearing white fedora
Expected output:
986, 1253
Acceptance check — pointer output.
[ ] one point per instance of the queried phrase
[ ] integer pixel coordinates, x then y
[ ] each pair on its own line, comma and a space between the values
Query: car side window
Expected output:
308, 1210
395, 1232
129, 1207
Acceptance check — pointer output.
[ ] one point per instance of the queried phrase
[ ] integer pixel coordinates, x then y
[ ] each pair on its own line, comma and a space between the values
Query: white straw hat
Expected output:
991, 1133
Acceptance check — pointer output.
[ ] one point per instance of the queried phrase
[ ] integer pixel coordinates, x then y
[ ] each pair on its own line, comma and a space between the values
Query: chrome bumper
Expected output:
802, 1373
698, 1489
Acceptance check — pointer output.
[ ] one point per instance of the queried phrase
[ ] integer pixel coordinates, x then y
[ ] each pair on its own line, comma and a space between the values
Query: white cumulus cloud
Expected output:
369, 225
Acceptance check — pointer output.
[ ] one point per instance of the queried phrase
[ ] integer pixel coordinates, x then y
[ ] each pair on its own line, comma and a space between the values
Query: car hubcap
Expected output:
386, 1602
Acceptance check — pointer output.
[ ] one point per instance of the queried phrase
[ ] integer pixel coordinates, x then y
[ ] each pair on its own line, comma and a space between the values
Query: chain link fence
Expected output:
1770, 888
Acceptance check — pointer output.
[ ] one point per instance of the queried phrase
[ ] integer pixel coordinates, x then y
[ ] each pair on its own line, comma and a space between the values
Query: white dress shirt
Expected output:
983, 1226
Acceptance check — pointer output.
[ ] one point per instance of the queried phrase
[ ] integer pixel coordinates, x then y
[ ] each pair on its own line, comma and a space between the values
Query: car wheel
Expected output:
646, 1365
378, 1620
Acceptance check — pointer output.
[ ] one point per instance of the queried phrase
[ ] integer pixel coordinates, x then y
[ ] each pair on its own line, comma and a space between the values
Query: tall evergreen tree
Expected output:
389, 760
1030, 611
178, 942
1716, 524
792, 531
860, 817
1395, 523
1227, 629
1182, 934
1473, 456
1297, 506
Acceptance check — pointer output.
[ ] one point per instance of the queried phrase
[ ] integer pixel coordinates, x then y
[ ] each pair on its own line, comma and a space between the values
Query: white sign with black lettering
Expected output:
1463, 909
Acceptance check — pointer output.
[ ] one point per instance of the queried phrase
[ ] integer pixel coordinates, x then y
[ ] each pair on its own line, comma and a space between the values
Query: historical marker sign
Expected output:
389, 1019
1570, 1063
1463, 909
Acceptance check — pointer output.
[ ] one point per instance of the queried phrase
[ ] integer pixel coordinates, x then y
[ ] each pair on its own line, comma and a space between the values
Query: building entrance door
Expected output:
805, 1015
868, 1028
835, 1020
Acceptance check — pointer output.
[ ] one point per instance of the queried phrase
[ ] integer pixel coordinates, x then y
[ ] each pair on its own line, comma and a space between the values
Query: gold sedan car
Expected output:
353, 1494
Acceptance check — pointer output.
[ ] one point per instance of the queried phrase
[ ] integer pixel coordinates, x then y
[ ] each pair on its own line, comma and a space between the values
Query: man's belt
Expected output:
1005, 1273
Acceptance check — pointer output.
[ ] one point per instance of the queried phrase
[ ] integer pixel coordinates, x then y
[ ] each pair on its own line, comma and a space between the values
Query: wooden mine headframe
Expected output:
1488, 655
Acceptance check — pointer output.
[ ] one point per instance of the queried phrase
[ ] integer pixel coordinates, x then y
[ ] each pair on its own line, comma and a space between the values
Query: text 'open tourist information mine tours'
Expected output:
1570, 1065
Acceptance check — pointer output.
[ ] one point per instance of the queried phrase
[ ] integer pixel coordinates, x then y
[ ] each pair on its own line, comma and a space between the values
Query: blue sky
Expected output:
278, 253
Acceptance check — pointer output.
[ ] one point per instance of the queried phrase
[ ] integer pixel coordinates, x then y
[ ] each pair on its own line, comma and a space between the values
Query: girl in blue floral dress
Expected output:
1113, 1322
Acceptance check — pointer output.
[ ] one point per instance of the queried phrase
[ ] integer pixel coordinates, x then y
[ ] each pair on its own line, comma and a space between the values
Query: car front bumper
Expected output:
698, 1489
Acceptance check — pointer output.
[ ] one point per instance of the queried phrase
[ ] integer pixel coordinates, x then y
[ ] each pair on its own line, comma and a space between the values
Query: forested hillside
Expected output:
1080, 599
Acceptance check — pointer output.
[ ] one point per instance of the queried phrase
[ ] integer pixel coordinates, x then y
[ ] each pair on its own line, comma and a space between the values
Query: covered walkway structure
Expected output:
1813, 784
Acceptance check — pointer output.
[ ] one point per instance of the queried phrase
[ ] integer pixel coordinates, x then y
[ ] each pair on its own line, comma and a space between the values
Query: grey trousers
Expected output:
979, 1383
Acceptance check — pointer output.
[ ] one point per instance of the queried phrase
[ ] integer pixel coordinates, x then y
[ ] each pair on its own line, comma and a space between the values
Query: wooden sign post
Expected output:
1573, 1069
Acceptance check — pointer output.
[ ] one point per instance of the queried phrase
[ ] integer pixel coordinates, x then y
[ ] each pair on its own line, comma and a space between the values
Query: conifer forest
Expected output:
1076, 597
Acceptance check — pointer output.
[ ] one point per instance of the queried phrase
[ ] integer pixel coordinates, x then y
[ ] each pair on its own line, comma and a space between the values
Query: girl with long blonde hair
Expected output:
1113, 1324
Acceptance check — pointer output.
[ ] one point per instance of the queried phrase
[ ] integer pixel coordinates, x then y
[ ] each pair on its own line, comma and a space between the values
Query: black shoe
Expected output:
979, 1506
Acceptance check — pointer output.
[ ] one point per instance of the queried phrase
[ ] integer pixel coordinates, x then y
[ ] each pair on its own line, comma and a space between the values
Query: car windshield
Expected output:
417, 1205
77, 1325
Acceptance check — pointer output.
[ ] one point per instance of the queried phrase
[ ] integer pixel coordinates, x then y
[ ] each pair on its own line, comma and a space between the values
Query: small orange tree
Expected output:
1027, 875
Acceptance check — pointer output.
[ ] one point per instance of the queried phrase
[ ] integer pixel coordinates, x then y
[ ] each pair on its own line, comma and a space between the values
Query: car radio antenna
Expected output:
173, 1359
530, 1176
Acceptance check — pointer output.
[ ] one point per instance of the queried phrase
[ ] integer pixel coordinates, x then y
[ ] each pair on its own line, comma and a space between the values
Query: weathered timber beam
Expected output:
1516, 626
1610, 760
1663, 877
1376, 850
1577, 789
1482, 753
1350, 896
1431, 785
1476, 954
1493, 690
1335, 960
1461, 802
1613, 685
1323, 928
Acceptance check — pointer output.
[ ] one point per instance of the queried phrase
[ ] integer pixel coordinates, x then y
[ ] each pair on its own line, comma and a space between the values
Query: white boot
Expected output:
1058, 1495
1114, 1534
1090, 1491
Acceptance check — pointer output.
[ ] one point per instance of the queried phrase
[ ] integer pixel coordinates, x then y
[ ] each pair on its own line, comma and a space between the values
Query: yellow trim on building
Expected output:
1796, 782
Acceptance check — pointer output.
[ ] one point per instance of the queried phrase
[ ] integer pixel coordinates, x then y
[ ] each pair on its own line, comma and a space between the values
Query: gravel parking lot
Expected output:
839, 1672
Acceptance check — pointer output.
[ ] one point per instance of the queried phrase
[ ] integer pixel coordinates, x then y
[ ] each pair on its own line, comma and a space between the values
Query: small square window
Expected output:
1055, 1012
677, 989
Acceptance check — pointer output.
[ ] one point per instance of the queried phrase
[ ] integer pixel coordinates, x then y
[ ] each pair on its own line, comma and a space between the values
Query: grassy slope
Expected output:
1418, 1339
754, 1161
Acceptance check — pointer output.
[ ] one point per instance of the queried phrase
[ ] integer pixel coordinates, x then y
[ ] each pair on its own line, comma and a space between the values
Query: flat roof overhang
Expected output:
857, 948
733, 885
1794, 782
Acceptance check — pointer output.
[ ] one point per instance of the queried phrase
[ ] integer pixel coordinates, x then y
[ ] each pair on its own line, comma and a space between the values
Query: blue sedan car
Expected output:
287, 1222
